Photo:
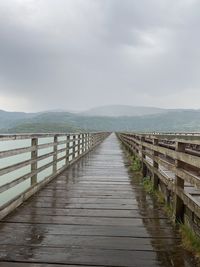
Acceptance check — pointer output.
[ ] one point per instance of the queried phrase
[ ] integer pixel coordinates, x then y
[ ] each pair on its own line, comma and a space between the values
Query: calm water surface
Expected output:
14, 144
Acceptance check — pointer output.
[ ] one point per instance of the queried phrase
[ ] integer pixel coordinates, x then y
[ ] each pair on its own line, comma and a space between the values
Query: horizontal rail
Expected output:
173, 159
14, 152
62, 153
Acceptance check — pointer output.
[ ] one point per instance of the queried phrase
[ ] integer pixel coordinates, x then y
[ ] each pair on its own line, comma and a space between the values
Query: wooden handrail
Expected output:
73, 147
171, 159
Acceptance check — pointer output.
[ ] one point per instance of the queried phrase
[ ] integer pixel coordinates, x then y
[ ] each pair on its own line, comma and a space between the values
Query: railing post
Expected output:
92, 137
89, 141
74, 147
34, 155
179, 183
67, 149
144, 167
55, 155
155, 166
135, 146
84, 142
79, 144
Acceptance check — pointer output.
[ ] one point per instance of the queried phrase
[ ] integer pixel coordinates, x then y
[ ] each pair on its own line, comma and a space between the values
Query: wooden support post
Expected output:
89, 138
55, 156
179, 183
84, 142
155, 166
79, 144
91, 141
95, 141
132, 149
144, 167
74, 147
144, 170
67, 149
34, 155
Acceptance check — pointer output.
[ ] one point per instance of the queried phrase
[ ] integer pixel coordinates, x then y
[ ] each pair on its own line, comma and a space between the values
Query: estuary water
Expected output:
14, 144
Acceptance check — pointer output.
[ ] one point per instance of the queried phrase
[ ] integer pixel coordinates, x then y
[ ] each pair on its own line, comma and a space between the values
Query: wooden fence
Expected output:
29, 162
173, 163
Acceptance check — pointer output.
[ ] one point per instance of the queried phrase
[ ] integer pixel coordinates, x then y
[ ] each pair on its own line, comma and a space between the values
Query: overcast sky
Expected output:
77, 54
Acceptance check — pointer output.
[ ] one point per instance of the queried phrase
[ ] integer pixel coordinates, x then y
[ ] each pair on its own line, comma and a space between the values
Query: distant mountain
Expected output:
9, 119
58, 110
170, 120
40, 122
122, 110
43, 127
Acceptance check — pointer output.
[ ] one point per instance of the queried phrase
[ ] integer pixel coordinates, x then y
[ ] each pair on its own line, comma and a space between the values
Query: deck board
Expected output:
93, 214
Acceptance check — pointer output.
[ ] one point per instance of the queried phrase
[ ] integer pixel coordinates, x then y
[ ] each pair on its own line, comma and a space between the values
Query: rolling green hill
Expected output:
122, 110
173, 121
10, 119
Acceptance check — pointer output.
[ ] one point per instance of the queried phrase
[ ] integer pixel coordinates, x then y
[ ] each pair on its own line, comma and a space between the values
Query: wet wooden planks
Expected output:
93, 214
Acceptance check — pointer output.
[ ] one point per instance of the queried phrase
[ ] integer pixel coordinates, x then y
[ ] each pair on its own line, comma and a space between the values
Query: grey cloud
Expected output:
81, 53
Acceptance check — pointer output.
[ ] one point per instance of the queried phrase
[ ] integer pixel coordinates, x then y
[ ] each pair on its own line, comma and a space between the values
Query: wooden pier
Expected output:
92, 213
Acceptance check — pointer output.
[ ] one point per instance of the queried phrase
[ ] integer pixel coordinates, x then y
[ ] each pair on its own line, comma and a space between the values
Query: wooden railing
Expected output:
28, 162
173, 163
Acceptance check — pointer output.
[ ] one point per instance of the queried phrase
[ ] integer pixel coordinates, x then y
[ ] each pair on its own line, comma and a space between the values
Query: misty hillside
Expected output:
175, 120
122, 110
9, 119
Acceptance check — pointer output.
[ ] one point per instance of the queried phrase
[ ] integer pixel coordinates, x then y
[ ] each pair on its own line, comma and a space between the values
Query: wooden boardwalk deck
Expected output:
93, 214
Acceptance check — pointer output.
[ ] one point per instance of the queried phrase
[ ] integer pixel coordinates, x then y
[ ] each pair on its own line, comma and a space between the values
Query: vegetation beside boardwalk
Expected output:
148, 186
136, 165
190, 240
